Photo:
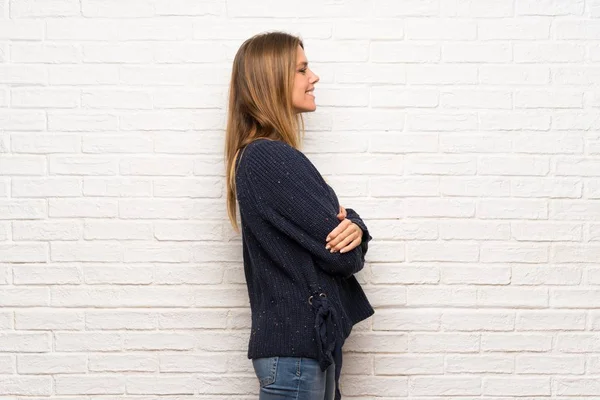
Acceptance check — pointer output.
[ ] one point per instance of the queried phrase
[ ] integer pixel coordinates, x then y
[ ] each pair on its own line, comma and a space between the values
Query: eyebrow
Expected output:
303, 63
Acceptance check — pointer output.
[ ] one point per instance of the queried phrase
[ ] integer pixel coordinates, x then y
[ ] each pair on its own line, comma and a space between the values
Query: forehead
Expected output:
300, 56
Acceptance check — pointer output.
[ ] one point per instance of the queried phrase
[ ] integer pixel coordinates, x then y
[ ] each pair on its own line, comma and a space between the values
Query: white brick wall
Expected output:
466, 133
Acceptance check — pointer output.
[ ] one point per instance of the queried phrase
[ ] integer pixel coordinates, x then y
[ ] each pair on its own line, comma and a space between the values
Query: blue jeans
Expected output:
296, 378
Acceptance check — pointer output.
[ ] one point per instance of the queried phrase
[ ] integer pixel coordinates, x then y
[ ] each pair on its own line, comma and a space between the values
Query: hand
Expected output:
346, 236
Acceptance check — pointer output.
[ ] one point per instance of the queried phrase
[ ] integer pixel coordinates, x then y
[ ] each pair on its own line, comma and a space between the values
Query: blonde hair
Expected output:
260, 101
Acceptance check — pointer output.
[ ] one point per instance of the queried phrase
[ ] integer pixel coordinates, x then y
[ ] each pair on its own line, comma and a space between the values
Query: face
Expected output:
303, 98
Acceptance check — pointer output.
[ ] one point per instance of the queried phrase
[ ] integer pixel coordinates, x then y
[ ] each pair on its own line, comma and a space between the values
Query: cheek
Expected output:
300, 87
299, 92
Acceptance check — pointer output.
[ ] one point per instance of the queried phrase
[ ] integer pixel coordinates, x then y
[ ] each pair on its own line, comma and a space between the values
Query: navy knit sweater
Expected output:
287, 210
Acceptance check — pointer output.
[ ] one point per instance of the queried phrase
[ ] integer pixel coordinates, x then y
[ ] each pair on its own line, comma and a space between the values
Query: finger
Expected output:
342, 214
347, 241
333, 235
355, 233
353, 244
338, 241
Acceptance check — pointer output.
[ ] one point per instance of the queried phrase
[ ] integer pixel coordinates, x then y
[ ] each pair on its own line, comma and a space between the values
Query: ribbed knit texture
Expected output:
287, 210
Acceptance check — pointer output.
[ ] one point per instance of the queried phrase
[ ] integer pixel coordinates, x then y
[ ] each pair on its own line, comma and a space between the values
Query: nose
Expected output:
315, 78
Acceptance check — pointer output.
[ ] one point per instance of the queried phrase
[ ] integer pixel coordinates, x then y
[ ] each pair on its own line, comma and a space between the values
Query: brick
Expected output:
549, 7
81, 207
23, 209
121, 296
117, 187
577, 386
118, 53
475, 186
45, 53
441, 341
87, 341
547, 321
548, 53
120, 320
476, 52
49, 320
117, 230
441, 122
389, 8
546, 275
466, 98
578, 29
404, 143
375, 386
159, 341
450, 208
82, 75
546, 231
25, 342
99, 251
24, 252
515, 297
45, 143
185, 187
116, 99
22, 120
520, 386
483, 230
407, 320
46, 364
81, 121
509, 342
40, 8
443, 74
189, 7
388, 29
95, 275
402, 52
22, 165
116, 9
123, 363
514, 74
91, 385
46, 187
532, 28
478, 8
531, 209
441, 165
408, 365
476, 275
480, 364
431, 296
26, 386
32, 274
425, 386
350, 8
13, 29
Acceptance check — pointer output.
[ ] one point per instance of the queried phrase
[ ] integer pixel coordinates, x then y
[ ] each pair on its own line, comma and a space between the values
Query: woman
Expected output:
301, 249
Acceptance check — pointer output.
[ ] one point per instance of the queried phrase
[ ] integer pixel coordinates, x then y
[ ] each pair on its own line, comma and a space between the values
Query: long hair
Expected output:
260, 101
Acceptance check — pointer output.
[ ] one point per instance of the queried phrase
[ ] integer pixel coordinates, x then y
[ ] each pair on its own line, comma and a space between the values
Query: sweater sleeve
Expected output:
291, 194
354, 217
366, 237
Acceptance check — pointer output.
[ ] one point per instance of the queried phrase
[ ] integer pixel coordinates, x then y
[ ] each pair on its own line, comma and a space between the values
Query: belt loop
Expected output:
311, 297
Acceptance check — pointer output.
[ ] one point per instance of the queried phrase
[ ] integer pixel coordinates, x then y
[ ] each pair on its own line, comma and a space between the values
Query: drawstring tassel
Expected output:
328, 343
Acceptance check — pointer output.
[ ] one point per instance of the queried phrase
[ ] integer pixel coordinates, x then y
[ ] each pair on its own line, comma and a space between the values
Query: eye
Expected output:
302, 71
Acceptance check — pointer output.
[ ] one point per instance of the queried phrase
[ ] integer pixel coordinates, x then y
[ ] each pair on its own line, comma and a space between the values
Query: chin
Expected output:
306, 109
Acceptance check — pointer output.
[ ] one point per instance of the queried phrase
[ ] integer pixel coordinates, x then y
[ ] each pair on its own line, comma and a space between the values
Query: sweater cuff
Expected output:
366, 236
